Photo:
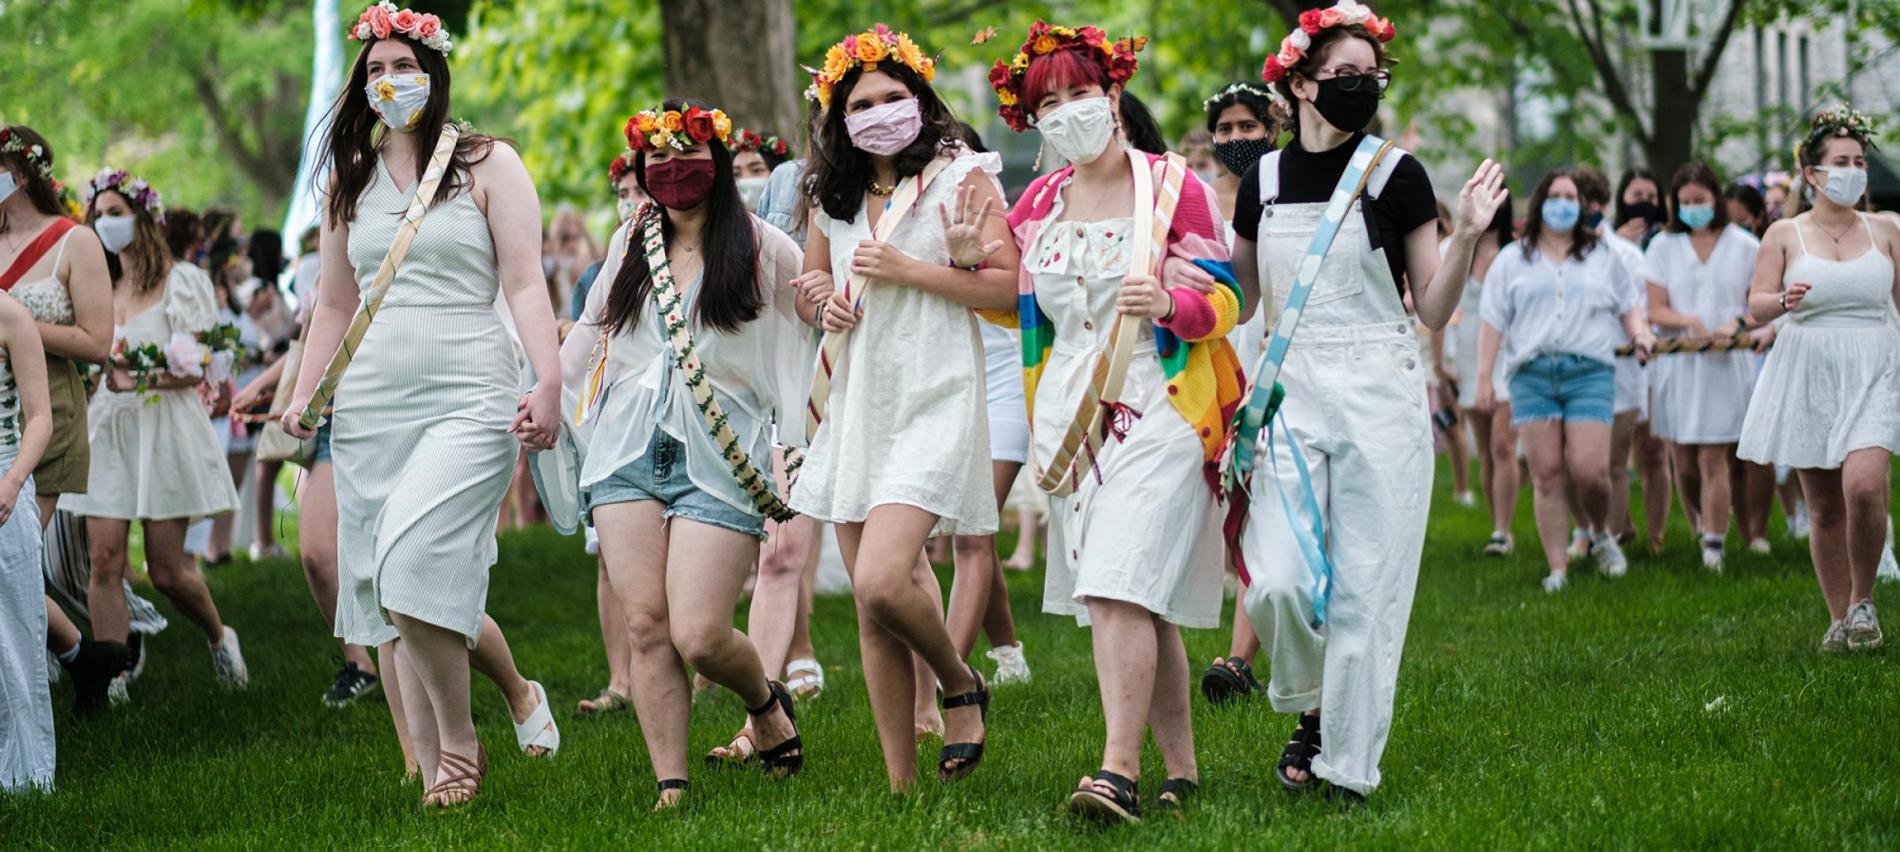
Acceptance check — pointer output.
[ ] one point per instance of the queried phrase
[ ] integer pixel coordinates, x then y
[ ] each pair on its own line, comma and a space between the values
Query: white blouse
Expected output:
1569, 307
1714, 292
759, 374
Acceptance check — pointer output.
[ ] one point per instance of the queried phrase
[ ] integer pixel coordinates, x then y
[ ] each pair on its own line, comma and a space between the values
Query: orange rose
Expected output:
870, 49
671, 122
1045, 44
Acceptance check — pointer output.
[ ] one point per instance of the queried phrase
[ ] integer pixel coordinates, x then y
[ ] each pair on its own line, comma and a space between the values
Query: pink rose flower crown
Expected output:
383, 19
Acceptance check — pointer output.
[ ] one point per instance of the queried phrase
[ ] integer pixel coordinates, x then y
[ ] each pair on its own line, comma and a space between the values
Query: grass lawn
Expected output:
1671, 708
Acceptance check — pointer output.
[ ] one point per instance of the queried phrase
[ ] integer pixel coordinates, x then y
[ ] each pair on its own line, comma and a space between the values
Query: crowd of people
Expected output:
1243, 358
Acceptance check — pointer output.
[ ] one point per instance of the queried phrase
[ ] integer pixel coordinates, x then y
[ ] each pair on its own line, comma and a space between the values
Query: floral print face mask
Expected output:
399, 99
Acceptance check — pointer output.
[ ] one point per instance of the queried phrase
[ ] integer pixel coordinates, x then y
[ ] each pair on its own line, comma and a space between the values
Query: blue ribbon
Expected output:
1312, 539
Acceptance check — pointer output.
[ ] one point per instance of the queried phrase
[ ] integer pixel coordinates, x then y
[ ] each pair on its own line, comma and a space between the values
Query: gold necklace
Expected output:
880, 190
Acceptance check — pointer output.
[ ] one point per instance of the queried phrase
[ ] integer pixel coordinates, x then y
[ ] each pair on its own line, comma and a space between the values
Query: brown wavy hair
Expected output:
35, 186
148, 246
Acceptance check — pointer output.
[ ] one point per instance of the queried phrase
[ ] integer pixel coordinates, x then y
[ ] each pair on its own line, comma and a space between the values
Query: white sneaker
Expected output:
1798, 523
228, 662
1712, 552
1863, 627
1834, 641
1500, 545
260, 553
1010, 665
1889, 568
1556, 581
1464, 498
1610, 559
1579, 545
1761, 546
119, 690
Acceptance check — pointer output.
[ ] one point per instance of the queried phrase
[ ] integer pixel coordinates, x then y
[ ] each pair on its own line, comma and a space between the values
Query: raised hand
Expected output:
963, 233
1480, 198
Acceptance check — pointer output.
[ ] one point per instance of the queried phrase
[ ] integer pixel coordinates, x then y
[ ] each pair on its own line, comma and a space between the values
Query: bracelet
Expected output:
1783, 300
978, 266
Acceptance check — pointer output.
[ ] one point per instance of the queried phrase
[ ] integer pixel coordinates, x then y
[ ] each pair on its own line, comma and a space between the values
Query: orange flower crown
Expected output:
1117, 58
1345, 13
695, 125
877, 44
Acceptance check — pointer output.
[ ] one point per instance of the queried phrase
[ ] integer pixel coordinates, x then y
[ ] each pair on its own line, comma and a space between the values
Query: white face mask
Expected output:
7, 186
1845, 185
115, 232
1079, 131
751, 189
626, 208
399, 99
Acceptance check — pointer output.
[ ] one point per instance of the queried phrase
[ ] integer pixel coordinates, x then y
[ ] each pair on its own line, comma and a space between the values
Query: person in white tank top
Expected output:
1828, 401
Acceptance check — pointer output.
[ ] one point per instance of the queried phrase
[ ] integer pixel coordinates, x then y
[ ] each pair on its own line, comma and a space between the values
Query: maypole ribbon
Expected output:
379, 287
1691, 345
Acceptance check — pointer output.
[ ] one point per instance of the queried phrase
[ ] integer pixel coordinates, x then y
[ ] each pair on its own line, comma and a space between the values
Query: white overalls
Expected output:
1356, 400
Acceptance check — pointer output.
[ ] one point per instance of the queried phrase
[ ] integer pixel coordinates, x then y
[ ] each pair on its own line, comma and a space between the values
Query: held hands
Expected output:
1791, 298
537, 417
963, 234
1729, 329
1480, 199
1143, 296
838, 315
1179, 272
1696, 330
882, 261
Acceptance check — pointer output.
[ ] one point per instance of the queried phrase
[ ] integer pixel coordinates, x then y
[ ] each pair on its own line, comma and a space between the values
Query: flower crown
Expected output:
750, 141
135, 190
655, 128
867, 48
1239, 88
383, 19
13, 143
1312, 21
623, 163
1117, 59
1841, 121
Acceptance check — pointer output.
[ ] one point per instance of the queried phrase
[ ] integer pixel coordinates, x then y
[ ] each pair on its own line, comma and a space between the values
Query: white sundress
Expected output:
1832, 381
1701, 397
1143, 526
909, 415
26, 706
155, 455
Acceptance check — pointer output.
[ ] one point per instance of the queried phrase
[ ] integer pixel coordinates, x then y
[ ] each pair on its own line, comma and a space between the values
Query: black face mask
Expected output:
1349, 110
1239, 154
1644, 210
1592, 220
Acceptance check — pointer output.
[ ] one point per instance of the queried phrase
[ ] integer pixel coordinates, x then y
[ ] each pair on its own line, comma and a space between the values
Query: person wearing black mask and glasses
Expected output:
1639, 212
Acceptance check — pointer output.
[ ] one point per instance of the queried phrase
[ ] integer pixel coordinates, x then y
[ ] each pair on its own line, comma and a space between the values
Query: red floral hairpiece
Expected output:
695, 125
1313, 21
1117, 59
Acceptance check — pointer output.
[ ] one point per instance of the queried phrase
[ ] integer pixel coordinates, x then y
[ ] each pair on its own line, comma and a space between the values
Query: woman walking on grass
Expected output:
427, 421
1828, 402
1558, 302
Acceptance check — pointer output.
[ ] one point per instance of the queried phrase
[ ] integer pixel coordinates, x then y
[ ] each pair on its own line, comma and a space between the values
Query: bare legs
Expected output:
262, 533
1847, 514
1500, 475
316, 546
173, 572
1703, 471
614, 640
1652, 466
979, 597
1622, 436
1564, 455
1754, 488
1141, 669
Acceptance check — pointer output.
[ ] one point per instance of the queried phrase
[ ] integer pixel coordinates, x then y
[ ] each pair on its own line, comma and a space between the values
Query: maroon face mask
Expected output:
680, 184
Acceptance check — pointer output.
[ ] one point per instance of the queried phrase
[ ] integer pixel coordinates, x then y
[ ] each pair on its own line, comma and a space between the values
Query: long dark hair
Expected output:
729, 294
33, 185
1751, 199
1139, 126
1583, 238
349, 152
1701, 175
839, 171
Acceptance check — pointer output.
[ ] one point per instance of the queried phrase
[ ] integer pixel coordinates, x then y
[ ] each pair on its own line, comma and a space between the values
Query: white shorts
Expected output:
1003, 383
1632, 388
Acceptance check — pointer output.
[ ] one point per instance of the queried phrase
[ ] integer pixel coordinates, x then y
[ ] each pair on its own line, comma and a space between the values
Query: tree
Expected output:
757, 85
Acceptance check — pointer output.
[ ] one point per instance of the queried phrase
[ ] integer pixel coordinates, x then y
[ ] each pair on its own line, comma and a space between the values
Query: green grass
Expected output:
1668, 709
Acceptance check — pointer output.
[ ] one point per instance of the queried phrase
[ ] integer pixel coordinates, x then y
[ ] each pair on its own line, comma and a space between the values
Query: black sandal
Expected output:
666, 784
787, 758
970, 754
1227, 679
1299, 754
1124, 806
1174, 794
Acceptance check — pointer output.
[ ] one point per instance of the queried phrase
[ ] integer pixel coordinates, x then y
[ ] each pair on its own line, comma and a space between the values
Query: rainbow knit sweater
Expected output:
1205, 381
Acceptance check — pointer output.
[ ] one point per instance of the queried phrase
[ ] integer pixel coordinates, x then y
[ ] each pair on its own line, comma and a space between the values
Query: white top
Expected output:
1714, 292
1569, 307
47, 299
1701, 397
758, 374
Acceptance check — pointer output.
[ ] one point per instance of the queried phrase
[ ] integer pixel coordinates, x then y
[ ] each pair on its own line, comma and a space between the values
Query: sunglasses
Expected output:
1354, 82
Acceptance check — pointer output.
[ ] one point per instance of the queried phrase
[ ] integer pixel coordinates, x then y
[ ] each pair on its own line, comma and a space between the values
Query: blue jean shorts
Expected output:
322, 454
660, 475
1561, 386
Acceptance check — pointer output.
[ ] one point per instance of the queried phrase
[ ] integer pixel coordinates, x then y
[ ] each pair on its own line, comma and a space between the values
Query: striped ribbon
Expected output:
379, 287
831, 352
1154, 215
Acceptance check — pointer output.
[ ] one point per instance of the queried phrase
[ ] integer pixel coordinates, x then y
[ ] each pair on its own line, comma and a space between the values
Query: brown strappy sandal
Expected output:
465, 783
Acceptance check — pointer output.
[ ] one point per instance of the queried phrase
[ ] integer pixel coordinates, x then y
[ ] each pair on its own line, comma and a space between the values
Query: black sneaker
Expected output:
135, 655
92, 671
351, 683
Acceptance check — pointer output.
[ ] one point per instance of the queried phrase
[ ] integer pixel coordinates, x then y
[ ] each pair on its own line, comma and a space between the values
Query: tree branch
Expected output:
1606, 70
230, 136
1710, 60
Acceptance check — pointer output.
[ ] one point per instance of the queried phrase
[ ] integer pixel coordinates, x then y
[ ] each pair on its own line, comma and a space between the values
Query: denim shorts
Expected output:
1561, 386
322, 454
660, 475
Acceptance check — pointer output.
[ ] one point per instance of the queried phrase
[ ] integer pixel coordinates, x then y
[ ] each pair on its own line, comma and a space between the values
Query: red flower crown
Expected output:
656, 127
619, 167
1312, 21
1117, 59
746, 140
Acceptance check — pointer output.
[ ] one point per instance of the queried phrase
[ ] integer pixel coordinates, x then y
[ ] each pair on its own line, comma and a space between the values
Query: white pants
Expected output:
1356, 400
26, 706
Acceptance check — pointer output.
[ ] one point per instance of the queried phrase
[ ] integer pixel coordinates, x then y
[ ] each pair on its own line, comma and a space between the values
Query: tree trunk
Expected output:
738, 55
1674, 113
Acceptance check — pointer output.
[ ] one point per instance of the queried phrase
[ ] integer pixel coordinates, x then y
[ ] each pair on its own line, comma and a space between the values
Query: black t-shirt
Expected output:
1405, 202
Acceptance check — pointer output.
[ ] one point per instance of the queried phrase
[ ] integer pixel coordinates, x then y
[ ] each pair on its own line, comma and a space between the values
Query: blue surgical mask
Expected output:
7, 185
1697, 216
1561, 214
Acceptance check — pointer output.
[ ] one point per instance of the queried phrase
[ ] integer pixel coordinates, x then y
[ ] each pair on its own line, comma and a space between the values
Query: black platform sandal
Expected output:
787, 758
1227, 679
666, 784
1123, 807
1299, 754
965, 756
1174, 794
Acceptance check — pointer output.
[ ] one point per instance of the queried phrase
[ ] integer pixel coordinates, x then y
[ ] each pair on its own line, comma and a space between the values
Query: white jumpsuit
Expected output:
26, 708
1356, 400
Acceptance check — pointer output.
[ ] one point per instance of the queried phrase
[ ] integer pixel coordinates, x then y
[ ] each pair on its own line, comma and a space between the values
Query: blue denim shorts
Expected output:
1561, 386
660, 475
322, 453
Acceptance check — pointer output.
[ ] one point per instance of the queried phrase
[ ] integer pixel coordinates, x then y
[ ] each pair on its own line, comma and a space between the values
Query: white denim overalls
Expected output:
1356, 400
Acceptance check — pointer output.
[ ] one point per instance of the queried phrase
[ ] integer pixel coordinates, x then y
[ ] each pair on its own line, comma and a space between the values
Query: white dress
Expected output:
1832, 381
1142, 527
154, 454
908, 411
1701, 397
421, 445
26, 705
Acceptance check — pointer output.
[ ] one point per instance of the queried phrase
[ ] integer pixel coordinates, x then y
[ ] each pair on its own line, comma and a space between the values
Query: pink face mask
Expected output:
886, 129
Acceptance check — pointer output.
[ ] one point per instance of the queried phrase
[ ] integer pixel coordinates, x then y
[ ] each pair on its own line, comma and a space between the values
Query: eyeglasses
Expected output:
1353, 81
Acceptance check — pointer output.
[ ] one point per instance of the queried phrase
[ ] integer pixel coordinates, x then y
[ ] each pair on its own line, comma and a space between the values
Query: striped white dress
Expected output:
421, 444
26, 708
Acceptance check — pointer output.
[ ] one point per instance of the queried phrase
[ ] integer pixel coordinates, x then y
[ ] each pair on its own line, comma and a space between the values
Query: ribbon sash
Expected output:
1154, 215
831, 351
34, 251
379, 287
